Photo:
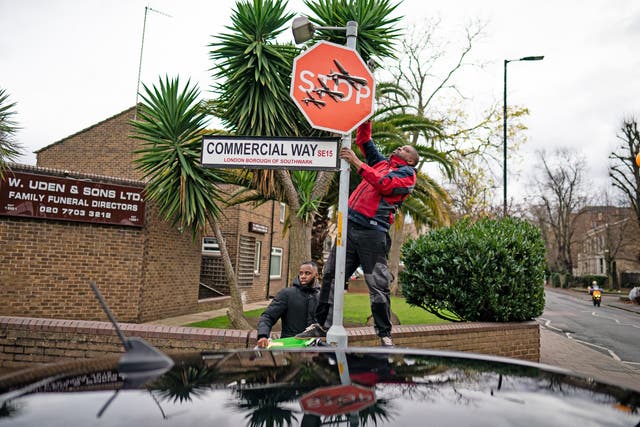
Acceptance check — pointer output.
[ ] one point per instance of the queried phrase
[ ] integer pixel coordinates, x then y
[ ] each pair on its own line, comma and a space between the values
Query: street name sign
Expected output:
270, 153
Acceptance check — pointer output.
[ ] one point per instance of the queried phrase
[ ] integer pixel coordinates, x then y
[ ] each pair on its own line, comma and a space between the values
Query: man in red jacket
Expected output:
385, 184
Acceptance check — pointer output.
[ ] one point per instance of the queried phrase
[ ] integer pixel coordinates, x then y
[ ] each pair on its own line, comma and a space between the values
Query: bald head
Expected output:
408, 153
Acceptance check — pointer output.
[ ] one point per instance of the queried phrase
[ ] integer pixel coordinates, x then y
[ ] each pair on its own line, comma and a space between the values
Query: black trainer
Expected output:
313, 331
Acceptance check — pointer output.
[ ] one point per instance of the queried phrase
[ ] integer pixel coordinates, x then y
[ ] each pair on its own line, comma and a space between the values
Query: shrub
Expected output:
586, 281
566, 279
490, 270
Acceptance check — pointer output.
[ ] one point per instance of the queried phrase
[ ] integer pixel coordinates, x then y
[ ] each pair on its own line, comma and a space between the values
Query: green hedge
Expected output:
490, 270
586, 281
561, 280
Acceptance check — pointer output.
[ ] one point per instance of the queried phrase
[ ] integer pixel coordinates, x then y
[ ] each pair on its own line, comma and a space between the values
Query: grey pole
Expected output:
504, 142
337, 334
504, 128
144, 29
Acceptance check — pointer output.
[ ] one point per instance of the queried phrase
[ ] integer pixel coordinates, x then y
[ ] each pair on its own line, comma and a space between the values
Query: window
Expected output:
283, 210
246, 261
256, 262
210, 246
276, 263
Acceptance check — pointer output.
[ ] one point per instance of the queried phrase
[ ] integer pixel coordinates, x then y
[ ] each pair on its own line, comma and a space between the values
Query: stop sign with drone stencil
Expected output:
333, 87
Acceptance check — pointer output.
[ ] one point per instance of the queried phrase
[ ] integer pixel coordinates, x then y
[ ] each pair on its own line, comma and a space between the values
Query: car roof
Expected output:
372, 386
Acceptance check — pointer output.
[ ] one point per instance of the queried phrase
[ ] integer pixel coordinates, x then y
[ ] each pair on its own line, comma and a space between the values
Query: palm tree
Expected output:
253, 73
9, 149
184, 382
170, 125
378, 29
396, 124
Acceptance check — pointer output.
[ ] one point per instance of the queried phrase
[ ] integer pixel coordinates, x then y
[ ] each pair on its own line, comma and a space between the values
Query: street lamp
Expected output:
303, 30
504, 126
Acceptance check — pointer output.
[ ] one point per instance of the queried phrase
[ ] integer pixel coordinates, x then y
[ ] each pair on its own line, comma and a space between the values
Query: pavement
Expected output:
204, 315
556, 349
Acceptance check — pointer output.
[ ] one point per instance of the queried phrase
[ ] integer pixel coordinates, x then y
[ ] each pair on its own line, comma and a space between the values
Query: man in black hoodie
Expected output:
295, 305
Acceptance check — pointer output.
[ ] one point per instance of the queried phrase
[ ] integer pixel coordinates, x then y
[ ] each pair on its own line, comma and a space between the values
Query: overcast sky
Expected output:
72, 63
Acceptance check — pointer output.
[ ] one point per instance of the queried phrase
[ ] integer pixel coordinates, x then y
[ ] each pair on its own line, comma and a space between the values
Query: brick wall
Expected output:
144, 273
170, 270
47, 265
235, 224
262, 214
27, 341
520, 340
104, 148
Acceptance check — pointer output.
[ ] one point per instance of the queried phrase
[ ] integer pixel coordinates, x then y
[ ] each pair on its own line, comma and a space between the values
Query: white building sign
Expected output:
270, 153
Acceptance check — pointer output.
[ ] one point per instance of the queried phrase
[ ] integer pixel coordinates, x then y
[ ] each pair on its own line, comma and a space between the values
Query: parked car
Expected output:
310, 387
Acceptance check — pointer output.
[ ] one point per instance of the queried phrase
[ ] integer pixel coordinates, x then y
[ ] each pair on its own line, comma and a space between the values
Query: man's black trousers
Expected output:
367, 248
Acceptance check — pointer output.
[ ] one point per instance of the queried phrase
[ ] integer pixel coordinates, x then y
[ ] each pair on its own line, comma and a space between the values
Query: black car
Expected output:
310, 387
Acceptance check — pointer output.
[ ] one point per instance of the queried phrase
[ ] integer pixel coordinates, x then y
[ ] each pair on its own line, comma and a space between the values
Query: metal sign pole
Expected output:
337, 334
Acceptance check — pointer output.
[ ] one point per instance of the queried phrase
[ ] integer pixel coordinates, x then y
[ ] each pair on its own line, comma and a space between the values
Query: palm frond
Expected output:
378, 28
10, 150
170, 124
253, 72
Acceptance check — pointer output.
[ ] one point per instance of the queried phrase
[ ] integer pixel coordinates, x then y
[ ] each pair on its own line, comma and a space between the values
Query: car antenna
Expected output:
141, 361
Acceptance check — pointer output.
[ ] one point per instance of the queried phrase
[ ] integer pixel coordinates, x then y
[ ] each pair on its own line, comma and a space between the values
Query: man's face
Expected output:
307, 274
407, 153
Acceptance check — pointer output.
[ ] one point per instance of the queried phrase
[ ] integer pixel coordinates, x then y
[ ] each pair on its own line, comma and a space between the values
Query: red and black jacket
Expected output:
386, 183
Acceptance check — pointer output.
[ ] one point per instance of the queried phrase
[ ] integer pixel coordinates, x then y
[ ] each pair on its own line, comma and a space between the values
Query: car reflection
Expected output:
265, 388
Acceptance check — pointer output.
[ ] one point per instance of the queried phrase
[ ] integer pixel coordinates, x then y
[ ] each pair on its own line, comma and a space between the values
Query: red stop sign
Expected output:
337, 400
333, 87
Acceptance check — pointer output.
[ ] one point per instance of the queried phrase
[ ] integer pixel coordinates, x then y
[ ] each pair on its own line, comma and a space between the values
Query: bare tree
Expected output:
428, 69
470, 191
562, 194
623, 169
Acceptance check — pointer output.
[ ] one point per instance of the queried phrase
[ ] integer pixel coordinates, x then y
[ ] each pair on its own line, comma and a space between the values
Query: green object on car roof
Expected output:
291, 342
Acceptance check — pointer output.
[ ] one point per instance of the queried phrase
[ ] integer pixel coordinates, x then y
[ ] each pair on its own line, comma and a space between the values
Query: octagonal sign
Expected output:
337, 400
333, 87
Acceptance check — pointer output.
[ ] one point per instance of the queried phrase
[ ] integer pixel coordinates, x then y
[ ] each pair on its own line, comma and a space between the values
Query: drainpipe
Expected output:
270, 247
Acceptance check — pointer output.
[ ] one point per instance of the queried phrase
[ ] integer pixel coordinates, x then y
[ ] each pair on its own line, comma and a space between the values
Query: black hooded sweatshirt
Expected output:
295, 305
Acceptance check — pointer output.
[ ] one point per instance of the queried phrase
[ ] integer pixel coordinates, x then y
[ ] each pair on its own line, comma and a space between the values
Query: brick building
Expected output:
145, 271
606, 243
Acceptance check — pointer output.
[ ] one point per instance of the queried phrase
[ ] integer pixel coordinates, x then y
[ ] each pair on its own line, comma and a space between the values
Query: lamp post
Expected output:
303, 30
504, 126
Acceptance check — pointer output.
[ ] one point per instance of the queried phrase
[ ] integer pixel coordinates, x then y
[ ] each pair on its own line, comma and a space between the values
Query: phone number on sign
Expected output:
74, 212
